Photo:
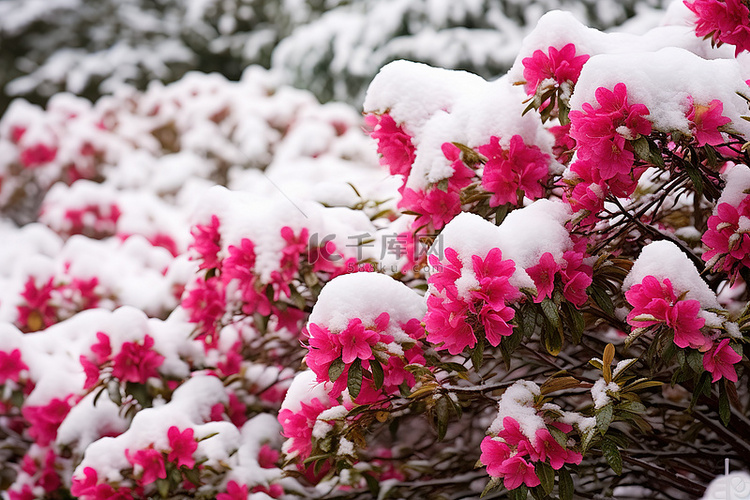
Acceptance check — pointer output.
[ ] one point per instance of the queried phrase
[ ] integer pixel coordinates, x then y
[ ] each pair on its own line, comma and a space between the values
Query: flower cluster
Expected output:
135, 362
512, 171
573, 273
724, 21
233, 285
379, 348
605, 155
727, 240
394, 144
523, 435
655, 302
556, 67
51, 301
470, 302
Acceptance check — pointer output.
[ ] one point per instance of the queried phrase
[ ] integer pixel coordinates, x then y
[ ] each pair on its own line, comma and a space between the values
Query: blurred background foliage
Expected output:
331, 47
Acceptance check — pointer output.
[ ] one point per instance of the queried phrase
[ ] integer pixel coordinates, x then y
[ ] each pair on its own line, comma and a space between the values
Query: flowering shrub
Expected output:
547, 296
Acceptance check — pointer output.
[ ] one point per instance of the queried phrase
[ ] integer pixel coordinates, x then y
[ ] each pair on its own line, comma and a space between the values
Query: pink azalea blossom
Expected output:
657, 301
494, 453
240, 263
493, 274
37, 155
496, 323
356, 341
137, 362
576, 277
234, 492
298, 426
728, 249
207, 243
705, 122
462, 175
46, 419
511, 432
151, 463
11, 366
183, 446
446, 322
520, 167
602, 133
561, 65
102, 349
720, 361
726, 21
517, 471
546, 447
38, 312
268, 457
543, 275
394, 143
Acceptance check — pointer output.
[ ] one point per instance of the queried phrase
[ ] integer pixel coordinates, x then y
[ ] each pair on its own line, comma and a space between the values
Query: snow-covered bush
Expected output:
542, 290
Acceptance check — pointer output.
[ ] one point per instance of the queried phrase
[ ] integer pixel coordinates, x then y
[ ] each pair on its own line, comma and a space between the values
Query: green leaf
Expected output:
372, 484
442, 414
378, 376
477, 355
695, 361
354, 381
550, 312
632, 407
163, 486
500, 213
565, 485
576, 322
725, 413
612, 455
519, 493
336, 369
695, 177
560, 436
546, 476
493, 484
641, 148
604, 418
602, 299
702, 387
454, 367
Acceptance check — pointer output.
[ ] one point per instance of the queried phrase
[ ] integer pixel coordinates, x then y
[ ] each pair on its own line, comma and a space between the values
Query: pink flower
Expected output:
520, 167
564, 144
137, 362
559, 65
298, 426
576, 277
444, 279
728, 247
102, 349
11, 366
511, 432
151, 462
725, 21
207, 242
517, 471
183, 446
462, 174
267, 457
324, 348
91, 370
602, 133
240, 263
446, 322
234, 492
705, 121
543, 275
440, 206
658, 300
494, 453
720, 361
46, 419
38, 313
356, 341
493, 274
546, 447
37, 155
205, 303
394, 144
496, 323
